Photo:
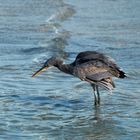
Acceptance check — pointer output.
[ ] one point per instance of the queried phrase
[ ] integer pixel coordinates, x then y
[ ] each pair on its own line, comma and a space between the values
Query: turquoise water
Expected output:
56, 106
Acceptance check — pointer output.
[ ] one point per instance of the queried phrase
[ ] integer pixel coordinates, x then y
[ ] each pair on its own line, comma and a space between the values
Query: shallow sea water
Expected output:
56, 106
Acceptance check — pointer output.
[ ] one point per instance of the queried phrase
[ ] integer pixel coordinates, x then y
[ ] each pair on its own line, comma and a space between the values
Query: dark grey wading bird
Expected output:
91, 66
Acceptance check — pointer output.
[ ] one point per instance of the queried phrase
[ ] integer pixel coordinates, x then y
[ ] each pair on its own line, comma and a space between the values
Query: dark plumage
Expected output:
91, 66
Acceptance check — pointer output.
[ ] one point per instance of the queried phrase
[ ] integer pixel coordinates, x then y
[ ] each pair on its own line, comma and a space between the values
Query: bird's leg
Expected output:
95, 98
98, 95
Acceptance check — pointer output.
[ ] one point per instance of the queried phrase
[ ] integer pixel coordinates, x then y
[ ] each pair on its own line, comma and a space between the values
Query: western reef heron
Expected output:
91, 66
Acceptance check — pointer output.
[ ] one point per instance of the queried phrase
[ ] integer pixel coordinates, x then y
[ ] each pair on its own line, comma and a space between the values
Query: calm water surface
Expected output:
56, 106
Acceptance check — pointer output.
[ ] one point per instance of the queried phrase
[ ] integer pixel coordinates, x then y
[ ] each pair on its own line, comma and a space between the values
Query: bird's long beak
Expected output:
40, 71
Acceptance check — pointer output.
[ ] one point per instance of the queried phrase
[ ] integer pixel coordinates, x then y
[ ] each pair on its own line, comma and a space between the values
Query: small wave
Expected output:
53, 22
52, 17
55, 43
58, 36
62, 14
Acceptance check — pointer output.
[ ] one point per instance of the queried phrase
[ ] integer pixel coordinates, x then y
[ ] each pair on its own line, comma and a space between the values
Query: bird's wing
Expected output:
92, 68
94, 71
99, 76
89, 56
93, 55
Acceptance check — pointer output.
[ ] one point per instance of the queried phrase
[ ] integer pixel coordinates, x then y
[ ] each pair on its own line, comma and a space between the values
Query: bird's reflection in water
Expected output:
96, 115
96, 125
76, 119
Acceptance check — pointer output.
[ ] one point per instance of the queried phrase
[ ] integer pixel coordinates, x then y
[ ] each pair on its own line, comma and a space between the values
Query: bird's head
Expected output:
53, 61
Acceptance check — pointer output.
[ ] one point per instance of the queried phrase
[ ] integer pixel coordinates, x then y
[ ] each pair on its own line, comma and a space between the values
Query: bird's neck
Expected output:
67, 68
